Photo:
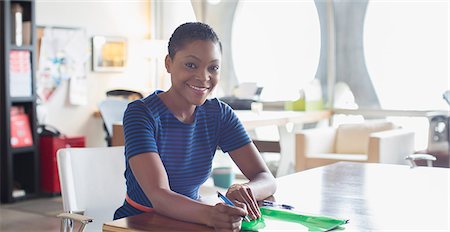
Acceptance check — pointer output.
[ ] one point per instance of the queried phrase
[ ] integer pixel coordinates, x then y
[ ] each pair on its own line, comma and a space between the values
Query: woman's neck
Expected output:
181, 109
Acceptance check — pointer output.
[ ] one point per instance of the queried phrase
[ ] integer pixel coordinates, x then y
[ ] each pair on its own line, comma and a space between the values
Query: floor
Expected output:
31, 215
40, 214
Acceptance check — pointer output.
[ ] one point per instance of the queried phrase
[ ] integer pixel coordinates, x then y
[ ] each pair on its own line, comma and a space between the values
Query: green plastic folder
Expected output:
273, 218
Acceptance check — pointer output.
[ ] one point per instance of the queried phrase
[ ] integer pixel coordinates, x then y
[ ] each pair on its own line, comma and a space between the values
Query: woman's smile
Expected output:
198, 89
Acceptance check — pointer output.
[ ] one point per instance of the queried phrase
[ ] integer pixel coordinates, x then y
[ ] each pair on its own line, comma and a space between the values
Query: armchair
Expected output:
372, 141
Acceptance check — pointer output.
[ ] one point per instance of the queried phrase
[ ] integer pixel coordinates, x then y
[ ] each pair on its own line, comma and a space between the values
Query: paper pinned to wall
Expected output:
63, 55
78, 90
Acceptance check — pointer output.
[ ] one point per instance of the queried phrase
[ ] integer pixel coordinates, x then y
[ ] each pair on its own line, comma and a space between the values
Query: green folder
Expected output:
273, 218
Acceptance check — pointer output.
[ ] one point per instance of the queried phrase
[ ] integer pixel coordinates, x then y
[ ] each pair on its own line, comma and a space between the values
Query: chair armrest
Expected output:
390, 146
412, 159
313, 141
67, 220
76, 217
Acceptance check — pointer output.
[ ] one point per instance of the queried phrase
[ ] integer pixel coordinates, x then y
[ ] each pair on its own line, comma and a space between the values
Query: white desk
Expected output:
252, 120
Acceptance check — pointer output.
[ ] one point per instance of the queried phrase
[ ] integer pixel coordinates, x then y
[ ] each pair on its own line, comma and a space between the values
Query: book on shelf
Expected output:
20, 128
18, 193
16, 23
20, 84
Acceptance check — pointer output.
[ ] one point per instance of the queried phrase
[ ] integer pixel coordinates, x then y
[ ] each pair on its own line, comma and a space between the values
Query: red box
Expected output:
48, 166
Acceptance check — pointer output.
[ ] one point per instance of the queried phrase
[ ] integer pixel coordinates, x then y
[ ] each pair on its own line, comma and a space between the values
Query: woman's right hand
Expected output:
224, 217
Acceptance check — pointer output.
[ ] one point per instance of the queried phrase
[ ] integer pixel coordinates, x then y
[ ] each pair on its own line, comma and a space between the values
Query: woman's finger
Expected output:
243, 193
246, 196
255, 207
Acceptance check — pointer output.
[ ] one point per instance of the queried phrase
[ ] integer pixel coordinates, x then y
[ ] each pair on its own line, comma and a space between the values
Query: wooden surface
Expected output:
374, 197
117, 139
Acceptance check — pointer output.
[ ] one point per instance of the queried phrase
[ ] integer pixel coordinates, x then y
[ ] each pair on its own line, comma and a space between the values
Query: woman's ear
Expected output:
168, 63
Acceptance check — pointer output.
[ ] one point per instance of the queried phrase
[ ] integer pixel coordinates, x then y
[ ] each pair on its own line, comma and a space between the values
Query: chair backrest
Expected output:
92, 181
112, 110
124, 93
354, 138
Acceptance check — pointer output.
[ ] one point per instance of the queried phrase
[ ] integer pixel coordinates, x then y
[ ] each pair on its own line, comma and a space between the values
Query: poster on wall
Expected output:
109, 54
63, 55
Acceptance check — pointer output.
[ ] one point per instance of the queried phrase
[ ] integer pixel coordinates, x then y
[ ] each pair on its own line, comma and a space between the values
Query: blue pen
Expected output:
275, 204
228, 202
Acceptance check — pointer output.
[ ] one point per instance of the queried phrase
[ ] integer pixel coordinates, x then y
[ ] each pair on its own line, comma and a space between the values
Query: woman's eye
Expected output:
191, 65
214, 68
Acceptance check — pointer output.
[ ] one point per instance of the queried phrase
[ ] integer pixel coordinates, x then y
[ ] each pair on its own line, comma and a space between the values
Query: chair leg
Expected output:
66, 225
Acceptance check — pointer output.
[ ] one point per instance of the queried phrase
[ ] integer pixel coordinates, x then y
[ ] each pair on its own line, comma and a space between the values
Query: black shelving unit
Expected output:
19, 166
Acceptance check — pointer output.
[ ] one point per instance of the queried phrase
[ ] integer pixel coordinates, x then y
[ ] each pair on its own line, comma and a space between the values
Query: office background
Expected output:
141, 21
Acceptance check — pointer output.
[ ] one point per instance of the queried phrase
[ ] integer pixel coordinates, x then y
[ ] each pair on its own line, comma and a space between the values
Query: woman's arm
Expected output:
152, 178
261, 181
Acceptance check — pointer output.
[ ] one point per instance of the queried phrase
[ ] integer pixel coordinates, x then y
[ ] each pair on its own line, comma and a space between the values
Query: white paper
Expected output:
78, 90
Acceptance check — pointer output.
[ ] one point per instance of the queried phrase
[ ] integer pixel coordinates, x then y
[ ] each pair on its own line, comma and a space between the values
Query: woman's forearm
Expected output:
167, 202
262, 185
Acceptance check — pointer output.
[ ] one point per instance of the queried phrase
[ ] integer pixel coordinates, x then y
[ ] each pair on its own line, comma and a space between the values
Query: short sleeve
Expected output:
139, 130
232, 134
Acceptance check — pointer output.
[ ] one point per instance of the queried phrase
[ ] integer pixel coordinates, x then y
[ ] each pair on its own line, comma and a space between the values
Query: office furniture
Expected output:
124, 93
92, 183
252, 120
282, 120
413, 158
438, 139
111, 111
19, 166
118, 137
48, 147
371, 141
374, 197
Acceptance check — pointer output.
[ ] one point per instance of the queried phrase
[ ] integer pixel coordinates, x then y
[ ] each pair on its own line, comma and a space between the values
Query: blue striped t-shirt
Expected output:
186, 150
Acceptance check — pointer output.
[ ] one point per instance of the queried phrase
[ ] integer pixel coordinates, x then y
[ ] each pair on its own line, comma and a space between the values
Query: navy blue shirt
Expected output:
186, 150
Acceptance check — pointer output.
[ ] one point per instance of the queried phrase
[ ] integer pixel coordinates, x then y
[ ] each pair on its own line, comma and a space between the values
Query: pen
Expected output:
228, 202
271, 203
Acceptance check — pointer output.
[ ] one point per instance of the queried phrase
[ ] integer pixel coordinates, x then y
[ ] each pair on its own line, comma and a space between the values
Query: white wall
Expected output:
126, 19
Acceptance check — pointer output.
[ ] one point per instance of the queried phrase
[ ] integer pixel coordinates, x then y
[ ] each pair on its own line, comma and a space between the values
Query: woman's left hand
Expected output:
243, 194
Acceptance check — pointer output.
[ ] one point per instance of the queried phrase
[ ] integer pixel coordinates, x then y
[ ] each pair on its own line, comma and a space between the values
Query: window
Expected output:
406, 52
277, 45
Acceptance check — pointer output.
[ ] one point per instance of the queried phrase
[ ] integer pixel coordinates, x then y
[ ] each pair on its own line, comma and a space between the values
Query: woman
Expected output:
171, 138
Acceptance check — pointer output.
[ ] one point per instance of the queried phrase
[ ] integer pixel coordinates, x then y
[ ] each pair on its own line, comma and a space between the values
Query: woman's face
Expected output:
195, 70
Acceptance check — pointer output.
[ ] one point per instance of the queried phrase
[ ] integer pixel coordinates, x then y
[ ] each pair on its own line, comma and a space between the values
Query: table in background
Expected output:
252, 120
374, 197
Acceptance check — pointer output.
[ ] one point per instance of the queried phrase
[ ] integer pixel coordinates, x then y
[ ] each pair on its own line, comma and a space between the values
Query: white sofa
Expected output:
371, 141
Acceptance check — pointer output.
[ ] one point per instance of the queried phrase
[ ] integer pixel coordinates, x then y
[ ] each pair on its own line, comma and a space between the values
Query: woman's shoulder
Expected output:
151, 105
215, 103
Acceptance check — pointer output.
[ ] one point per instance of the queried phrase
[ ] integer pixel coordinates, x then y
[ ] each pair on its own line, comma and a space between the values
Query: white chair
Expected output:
372, 141
92, 184
112, 110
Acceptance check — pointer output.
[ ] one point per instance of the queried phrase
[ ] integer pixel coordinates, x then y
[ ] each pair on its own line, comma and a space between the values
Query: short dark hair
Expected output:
189, 32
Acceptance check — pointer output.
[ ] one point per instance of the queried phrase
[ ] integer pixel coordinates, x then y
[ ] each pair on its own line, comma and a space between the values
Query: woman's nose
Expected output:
203, 76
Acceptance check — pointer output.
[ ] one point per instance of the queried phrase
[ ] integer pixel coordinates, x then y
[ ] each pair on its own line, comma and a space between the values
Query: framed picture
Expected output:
109, 54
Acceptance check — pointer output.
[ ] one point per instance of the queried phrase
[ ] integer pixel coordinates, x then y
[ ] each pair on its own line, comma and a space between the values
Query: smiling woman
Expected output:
171, 138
